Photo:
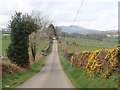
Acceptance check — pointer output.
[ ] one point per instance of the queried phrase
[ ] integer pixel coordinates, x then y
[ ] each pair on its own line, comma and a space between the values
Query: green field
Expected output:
6, 41
89, 44
42, 44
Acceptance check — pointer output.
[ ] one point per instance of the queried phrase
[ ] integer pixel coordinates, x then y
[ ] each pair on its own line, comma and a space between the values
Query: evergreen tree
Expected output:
21, 26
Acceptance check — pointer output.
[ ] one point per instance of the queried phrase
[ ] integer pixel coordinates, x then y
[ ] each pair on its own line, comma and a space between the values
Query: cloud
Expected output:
4, 19
97, 14
102, 16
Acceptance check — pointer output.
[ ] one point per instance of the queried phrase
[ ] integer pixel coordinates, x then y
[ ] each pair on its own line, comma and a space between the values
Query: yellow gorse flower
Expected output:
97, 62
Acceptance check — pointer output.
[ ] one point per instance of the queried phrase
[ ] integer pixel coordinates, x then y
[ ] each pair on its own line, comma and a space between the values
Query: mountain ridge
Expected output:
82, 30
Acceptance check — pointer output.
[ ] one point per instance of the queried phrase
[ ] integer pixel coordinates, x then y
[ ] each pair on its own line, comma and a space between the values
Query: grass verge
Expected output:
17, 78
80, 80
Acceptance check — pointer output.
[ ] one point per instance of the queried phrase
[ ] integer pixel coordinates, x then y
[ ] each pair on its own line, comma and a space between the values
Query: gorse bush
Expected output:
100, 62
21, 26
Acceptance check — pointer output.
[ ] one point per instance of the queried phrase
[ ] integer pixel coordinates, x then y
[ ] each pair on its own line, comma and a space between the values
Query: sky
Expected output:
94, 14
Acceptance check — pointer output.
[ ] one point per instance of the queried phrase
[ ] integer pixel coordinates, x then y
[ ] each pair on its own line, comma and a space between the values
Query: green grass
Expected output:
0, 43
0, 83
80, 80
14, 79
6, 41
90, 45
42, 44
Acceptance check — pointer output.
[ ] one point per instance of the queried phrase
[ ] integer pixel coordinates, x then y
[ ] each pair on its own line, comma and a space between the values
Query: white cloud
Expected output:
104, 19
97, 14
4, 19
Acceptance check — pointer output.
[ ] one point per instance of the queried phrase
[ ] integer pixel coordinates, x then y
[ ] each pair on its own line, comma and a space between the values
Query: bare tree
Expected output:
43, 21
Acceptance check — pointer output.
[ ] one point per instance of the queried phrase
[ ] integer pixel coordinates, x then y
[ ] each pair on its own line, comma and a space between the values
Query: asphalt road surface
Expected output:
52, 74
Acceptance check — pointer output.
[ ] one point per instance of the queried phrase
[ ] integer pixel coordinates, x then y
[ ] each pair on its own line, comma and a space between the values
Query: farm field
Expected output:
42, 44
6, 41
88, 44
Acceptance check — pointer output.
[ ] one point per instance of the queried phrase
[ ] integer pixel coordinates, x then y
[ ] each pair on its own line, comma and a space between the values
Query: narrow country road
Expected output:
52, 74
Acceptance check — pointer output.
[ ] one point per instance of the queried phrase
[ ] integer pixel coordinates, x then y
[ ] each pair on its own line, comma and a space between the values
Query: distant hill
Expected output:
75, 29
82, 30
